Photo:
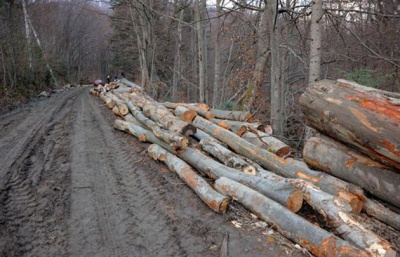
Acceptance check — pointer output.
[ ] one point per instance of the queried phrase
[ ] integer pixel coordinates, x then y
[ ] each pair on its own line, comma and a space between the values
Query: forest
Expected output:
251, 55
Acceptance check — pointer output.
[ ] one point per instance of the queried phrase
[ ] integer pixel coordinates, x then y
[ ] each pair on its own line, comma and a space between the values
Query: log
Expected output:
203, 106
236, 126
364, 119
175, 140
275, 187
341, 161
200, 111
343, 223
313, 238
131, 84
380, 212
212, 198
185, 114
285, 167
232, 115
226, 156
167, 120
268, 143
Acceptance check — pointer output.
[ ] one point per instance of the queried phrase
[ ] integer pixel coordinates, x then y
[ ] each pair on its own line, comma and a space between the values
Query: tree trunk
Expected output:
176, 141
232, 115
344, 224
276, 187
212, 198
343, 162
382, 213
285, 167
268, 143
217, 51
313, 238
315, 44
226, 156
365, 120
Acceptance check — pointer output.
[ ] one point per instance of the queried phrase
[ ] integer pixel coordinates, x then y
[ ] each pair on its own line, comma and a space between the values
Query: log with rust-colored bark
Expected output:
185, 114
343, 162
364, 119
212, 198
175, 140
232, 115
200, 111
226, 156
268, 143
286, 167
337, 216
313, 238
167, 120
276, 187
380, 212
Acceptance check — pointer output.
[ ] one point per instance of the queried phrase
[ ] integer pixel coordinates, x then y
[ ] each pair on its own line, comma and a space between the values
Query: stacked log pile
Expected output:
251, 167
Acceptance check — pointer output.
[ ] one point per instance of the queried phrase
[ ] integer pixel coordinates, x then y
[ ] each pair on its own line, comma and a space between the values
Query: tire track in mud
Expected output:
34, 164
122, 214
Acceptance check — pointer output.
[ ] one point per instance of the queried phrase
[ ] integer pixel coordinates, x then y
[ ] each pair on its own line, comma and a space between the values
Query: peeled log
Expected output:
285, 167
313, 238
341, 161
364, 119
276, 187
336, 214
382, 213
212, 198
232, 115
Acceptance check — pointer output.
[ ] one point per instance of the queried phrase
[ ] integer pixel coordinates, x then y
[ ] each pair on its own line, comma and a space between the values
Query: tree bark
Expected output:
344, 224
212, 198
313, 238
365, 120
315, 44
232, 115
382, 213
343, 162
285, 167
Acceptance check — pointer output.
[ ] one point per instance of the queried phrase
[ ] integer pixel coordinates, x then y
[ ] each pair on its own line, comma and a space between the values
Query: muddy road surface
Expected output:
72, 186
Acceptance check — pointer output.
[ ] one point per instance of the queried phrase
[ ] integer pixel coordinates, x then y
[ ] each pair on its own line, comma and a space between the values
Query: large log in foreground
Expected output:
277, 188
285, 167
313, 238
341, 161
336, 214
362, 118
212, 198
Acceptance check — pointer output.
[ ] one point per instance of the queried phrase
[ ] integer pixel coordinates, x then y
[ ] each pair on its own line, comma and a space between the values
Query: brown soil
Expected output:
72, 186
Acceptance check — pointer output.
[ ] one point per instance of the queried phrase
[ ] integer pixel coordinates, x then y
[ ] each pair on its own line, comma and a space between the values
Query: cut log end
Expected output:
356, 202
241, 130
251, 170
142, 138
295, 201
188, 115
223, 206
110, 104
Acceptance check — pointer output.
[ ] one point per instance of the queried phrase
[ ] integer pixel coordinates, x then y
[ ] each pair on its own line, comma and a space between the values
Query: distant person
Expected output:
108, 79
122, 75
115, 77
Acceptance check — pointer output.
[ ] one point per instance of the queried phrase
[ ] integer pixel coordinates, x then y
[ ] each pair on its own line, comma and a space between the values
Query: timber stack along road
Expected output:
71, 186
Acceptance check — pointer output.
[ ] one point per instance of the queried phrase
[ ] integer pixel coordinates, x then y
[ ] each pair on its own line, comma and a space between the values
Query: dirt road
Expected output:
72, 186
